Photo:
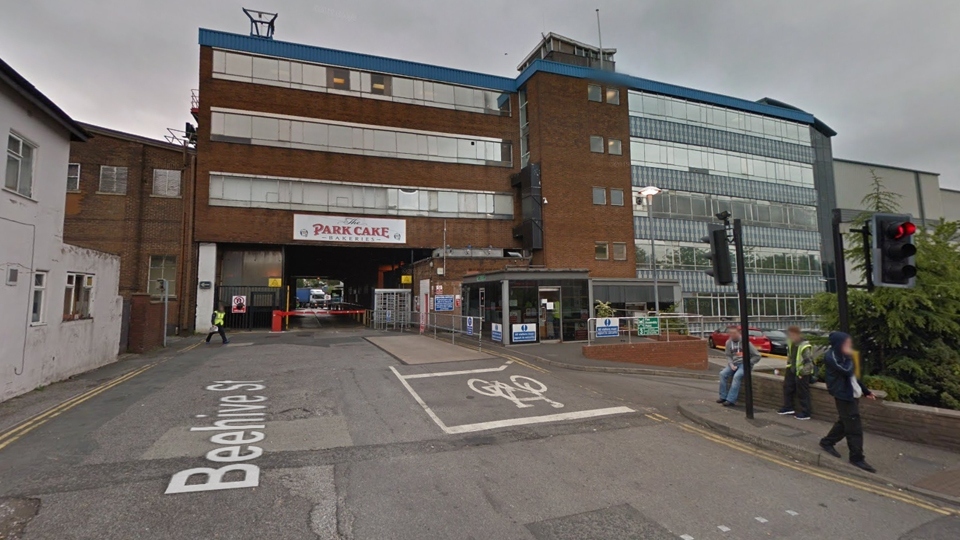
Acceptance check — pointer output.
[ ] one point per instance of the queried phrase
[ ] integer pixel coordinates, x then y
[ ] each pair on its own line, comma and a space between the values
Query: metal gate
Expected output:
391, 308
259, 306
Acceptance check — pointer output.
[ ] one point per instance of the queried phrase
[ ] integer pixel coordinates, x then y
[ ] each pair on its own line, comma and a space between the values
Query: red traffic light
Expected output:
898, 231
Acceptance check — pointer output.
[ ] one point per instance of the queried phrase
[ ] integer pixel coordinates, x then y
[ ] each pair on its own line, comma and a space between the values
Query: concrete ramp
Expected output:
416, 349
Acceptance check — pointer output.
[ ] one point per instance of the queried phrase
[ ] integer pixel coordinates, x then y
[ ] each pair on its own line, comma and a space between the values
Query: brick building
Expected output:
321, 162
125, 195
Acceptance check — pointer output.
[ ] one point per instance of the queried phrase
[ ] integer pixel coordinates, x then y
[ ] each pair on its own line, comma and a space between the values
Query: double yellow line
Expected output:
819, 473
9, 436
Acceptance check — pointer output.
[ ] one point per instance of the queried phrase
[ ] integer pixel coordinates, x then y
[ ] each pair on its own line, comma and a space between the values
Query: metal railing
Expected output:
667, 326
456, 328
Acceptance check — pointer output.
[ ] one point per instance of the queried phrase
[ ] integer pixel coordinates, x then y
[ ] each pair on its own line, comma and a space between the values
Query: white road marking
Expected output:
760, 519
792, 513
467, 428
686, 537
482, 426
448, 373
723, 528
521, 384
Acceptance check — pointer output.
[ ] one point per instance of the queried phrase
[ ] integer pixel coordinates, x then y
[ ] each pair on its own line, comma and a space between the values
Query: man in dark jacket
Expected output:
846, 390
217, 320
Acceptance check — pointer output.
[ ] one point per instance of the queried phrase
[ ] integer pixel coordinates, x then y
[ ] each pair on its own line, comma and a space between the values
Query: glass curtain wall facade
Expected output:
710, 159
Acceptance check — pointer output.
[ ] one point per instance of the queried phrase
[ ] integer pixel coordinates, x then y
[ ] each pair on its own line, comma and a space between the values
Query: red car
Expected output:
719, 337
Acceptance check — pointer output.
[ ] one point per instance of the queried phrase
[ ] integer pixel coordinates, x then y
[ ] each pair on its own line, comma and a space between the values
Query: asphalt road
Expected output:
355, 444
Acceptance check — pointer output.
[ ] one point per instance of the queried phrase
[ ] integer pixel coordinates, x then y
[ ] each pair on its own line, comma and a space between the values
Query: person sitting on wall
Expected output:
734, 370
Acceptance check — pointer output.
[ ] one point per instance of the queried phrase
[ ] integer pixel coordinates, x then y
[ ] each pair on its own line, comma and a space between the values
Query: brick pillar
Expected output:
146, 324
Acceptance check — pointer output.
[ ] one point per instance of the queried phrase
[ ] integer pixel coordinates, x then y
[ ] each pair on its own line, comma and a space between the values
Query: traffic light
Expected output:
893, 251
721, 270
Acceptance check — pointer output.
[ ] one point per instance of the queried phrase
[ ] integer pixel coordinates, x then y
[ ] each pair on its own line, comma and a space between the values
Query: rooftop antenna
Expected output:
261, 23
600, 36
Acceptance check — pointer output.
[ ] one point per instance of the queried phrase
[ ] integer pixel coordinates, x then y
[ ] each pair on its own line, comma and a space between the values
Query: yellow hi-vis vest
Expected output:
795, 355
218, 319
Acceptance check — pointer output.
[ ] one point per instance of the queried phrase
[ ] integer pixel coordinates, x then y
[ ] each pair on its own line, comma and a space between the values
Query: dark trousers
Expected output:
849, 426
223, 335
796, 387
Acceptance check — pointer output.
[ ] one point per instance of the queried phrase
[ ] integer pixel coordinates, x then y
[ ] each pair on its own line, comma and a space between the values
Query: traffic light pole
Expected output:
744, 317
841, 274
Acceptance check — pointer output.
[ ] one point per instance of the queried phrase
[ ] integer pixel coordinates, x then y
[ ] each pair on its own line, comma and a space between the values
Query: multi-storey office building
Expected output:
320, 162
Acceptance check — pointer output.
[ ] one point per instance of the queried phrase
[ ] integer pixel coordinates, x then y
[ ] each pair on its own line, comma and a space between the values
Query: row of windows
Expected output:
662, 130
727, 305
321, 196
19, 172
764, 213
688, 230
673, 179
613, 147
679, 110
595, 93
758, 260
600, 196
113, 179
319, 78
602, 251
341, 137
713, 161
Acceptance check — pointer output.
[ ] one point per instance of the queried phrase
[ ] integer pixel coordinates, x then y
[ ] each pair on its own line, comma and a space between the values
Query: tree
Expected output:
877, 200
909, 338
604, 309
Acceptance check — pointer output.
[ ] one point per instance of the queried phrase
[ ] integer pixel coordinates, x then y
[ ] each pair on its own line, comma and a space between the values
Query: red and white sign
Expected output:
239, 304
354, 229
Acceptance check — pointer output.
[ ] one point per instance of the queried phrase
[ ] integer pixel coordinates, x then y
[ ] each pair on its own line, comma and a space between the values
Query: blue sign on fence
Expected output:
608, 327
469, 326
443, 302
524, 333
496, 330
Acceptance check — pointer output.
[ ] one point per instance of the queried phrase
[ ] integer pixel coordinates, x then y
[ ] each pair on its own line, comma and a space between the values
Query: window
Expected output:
19, 166
162, 267
613, 96
616, 197
166, 182
614, 147
594, 93
619, 251
39, 292
77, 297
338, 78
600, 251
596, 144
73, 177
379, 84
599, 195
113, 179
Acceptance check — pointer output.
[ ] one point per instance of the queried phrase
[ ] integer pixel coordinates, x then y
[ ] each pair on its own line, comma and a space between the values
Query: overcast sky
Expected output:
885, 74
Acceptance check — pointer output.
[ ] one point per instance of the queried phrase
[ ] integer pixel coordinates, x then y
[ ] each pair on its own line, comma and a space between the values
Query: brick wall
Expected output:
146, 324
680, 352
455, 270
135, 225
915, 423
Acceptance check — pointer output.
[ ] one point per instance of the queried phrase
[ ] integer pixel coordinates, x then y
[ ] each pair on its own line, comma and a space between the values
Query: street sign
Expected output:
648, 326
238, 304
608, 327
443, 302
524, 333
496, 330
469, 326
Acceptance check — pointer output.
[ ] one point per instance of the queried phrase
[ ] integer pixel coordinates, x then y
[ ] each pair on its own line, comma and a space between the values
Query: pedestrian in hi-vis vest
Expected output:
217, 320
797, 375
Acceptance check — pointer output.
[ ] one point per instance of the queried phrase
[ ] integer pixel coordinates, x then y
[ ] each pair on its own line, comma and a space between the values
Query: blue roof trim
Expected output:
637, 83
321, 55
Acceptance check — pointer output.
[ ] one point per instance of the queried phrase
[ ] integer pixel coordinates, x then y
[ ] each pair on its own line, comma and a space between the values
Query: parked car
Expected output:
778, 341
720, 336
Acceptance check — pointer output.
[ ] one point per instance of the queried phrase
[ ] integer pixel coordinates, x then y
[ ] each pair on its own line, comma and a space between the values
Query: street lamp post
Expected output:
649, 193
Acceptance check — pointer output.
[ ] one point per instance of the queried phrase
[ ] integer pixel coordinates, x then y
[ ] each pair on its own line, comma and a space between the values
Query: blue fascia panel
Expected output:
366, 62
637, 83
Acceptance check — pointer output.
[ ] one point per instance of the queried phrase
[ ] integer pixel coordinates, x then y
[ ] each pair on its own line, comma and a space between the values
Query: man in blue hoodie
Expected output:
846, 390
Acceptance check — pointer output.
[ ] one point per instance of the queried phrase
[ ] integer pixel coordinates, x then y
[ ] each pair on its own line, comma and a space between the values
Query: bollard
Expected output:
277, 321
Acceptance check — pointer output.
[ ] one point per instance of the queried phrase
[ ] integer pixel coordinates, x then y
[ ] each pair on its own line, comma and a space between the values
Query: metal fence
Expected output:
456, 328
631, 329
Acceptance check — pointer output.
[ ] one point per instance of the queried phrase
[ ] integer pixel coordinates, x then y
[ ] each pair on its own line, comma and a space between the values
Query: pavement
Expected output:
914, 467
417, 349
317, 433
570, 356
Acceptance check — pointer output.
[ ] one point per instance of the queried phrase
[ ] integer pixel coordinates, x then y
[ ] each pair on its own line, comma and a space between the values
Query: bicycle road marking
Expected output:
495, 424
521, 384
